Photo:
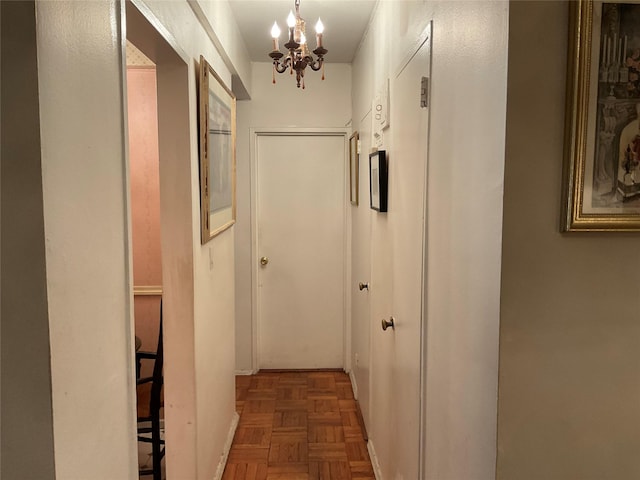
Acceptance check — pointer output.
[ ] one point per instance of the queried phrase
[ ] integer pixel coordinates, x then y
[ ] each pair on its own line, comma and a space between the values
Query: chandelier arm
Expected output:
316, 64
281, 67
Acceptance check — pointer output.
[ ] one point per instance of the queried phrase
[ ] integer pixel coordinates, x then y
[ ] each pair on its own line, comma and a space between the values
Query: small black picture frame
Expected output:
378, 170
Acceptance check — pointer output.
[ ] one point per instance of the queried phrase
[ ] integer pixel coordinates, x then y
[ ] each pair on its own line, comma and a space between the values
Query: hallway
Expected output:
298, 425
515, 346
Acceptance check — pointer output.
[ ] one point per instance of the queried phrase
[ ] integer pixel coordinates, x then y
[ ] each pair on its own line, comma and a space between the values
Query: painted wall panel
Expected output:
569, 359
214, 350
26, 412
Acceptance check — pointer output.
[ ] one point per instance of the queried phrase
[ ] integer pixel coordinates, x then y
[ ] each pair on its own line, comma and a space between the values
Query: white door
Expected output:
401, 254
300, 250
361, 273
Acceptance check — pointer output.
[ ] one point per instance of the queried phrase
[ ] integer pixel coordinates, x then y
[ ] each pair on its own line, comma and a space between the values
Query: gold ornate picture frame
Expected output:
602, 143
217, 126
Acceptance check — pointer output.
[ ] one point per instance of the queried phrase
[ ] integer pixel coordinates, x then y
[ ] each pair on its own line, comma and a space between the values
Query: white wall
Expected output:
211, 345
467, 140
569, 335
84, 185
223, 30
466, 156
322, 104
88, 281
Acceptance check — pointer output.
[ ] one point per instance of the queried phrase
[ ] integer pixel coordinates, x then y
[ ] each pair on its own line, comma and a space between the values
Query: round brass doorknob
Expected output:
388, 323
264, 261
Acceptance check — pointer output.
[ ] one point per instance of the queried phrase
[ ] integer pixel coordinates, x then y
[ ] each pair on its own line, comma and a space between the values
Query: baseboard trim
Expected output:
246, 372
354, 384
302, 370
227, 446
374, 460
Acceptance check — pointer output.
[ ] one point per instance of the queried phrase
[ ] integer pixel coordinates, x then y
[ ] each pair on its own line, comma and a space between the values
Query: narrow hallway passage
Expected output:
298, 426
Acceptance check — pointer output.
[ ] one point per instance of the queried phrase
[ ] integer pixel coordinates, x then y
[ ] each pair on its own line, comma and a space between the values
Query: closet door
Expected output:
301, 250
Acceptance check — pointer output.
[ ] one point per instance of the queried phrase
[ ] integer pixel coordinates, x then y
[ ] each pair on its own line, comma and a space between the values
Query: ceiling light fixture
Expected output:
298, 57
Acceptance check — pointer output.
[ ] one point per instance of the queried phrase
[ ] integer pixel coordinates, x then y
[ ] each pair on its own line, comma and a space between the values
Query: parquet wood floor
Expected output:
298, 425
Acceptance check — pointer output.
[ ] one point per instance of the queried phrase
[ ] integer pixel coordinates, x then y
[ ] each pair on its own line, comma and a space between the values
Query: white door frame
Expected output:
255, 133
425, 37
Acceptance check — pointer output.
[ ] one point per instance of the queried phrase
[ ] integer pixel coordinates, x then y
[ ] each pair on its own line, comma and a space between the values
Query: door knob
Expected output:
388, 323
362, 286
264, 261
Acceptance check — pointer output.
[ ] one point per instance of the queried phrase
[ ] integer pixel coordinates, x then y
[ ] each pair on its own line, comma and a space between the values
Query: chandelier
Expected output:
298, 56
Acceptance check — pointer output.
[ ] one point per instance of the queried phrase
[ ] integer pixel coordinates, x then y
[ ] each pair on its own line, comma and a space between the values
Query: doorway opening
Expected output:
161, 228
144, 182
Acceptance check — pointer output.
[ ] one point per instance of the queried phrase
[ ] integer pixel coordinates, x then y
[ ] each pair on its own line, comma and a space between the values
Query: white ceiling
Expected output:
345, 22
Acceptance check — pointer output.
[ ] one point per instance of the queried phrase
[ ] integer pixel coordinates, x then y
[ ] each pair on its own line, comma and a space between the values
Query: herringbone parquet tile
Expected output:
298, 426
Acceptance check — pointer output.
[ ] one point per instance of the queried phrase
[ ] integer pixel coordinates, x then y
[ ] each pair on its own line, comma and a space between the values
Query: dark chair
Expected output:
150, 393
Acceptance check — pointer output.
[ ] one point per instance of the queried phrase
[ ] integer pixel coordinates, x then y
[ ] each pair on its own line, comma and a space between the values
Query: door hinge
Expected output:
424, 92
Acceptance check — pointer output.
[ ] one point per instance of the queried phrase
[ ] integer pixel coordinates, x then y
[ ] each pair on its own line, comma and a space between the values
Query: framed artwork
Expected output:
217, 124
602, 139
354, 168
378, 180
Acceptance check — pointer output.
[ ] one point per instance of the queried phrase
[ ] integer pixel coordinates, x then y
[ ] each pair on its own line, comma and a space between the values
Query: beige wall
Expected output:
569, 397
322, 104
27, 417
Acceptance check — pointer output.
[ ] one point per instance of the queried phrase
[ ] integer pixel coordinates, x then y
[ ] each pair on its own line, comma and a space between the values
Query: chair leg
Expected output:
156, 447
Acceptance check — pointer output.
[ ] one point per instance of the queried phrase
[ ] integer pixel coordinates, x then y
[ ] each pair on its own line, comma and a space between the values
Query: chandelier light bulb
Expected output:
319, 30
291, 20
275, 33
275, 30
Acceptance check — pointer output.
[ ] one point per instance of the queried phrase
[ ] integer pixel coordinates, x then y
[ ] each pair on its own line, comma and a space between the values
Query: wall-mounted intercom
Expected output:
380, 114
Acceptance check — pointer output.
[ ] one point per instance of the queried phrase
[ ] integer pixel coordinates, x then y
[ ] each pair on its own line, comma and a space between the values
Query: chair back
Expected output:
155, 404
156, 383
